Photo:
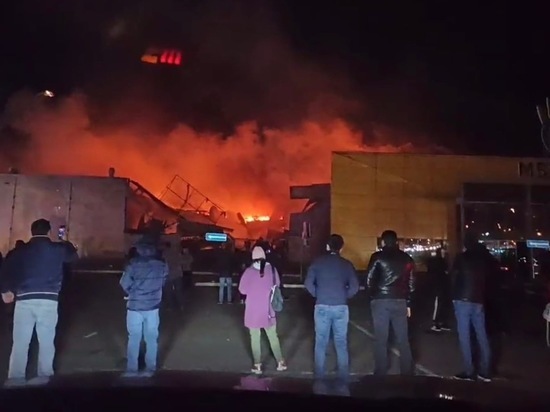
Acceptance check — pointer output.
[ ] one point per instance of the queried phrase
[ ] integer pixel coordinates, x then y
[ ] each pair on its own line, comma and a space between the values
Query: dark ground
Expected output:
211, 337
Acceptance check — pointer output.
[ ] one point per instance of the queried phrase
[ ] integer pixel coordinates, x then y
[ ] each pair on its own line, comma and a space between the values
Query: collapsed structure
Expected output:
102, 215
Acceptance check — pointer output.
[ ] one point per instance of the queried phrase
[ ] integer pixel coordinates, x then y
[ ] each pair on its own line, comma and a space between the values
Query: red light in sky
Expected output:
168, 56
171, 55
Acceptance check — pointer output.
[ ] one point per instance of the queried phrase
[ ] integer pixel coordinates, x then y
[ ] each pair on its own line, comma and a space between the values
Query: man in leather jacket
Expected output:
470, 272
390, 283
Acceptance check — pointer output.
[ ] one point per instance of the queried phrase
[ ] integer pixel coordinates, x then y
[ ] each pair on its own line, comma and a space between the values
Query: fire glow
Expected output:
249, 219
235, 172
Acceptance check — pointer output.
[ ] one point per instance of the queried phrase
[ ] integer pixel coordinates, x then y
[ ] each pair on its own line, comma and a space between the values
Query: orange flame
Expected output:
235, 172
249, 219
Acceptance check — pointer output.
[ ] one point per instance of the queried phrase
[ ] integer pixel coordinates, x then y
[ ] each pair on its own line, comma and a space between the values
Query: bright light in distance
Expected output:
249, 219
46, 93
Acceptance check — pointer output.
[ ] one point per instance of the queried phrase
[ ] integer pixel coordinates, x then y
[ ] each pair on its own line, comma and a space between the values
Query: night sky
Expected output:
467, 76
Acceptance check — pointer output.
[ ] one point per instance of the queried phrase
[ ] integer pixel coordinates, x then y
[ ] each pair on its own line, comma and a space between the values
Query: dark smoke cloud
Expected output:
245, 117
240, 65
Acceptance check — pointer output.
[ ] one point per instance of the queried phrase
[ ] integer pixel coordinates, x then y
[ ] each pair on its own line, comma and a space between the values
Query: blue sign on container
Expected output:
538, 244
215, 237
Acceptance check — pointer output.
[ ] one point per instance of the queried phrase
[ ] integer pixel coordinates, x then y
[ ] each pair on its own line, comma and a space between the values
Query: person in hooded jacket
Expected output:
256, 283
470, 273
143, 281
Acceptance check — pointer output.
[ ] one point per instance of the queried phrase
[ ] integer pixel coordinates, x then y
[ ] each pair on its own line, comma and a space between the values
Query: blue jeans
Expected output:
335, 318
142, 324
386, 312
470, 314
226, 283
28, 314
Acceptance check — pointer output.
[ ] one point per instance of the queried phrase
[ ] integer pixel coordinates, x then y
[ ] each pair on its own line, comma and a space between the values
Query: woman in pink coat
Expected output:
256, 283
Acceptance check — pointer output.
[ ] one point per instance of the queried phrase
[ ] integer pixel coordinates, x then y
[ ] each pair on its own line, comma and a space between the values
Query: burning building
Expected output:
102, 215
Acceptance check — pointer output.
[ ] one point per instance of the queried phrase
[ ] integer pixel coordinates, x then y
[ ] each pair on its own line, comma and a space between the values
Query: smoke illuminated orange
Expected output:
238, 173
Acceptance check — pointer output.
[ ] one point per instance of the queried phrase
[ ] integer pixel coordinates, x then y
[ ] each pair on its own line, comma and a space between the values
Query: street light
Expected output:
46, 93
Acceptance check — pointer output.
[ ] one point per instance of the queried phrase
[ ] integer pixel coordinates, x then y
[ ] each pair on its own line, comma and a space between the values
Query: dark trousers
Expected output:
187, 283
386, 312
281, 281
441, 312
174, 291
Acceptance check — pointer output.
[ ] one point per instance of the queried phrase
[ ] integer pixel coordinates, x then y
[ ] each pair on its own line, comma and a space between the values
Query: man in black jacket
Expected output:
470, 272
390, 283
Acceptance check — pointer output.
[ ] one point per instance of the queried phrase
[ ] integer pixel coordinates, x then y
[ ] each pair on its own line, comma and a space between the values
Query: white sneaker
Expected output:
281, 366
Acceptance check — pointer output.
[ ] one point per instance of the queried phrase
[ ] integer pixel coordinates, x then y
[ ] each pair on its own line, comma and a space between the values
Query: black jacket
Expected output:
390, 275
35, 270
470, 273
226, 263
438, 272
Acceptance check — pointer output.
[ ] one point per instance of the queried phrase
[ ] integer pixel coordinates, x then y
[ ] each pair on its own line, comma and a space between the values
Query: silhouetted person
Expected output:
34, 277
470, 272
390, 283
174, 286
18, 245
187, 267
332, 280
439, 273
142, 281
226, 267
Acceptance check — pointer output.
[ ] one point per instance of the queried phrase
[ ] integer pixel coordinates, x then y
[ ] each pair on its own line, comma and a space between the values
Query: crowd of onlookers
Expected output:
32, 273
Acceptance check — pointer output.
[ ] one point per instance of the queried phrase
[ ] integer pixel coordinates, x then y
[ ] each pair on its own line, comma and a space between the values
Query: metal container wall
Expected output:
91, 208
38, 197
97, 213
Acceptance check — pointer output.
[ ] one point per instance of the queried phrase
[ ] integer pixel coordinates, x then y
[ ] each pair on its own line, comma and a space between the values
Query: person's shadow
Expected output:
331, 387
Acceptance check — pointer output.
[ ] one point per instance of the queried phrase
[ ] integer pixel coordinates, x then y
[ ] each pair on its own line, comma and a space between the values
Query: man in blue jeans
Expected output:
332, 280
470, 272
390, 284
142, 281
32, 276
